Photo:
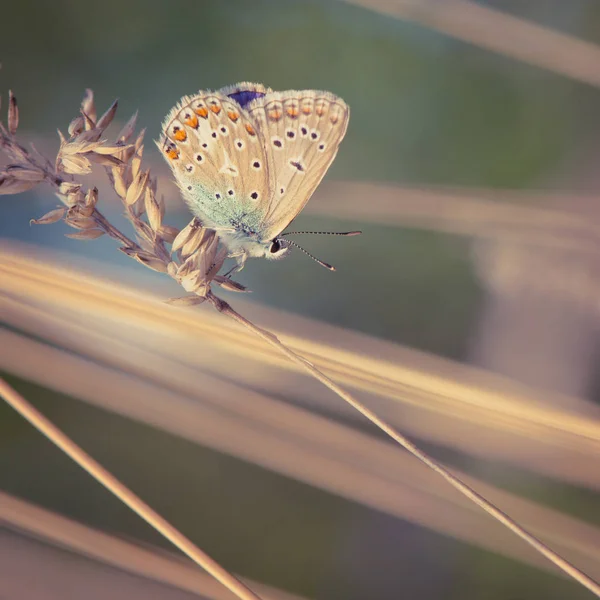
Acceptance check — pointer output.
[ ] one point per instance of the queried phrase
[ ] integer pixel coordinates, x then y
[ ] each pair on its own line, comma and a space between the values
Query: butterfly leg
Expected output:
240, 258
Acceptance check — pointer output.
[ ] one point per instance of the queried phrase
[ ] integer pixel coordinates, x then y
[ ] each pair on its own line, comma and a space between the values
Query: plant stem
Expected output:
454, 481
124, 494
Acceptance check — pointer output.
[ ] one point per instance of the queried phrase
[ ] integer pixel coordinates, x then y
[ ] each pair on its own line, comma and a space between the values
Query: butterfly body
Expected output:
247, 159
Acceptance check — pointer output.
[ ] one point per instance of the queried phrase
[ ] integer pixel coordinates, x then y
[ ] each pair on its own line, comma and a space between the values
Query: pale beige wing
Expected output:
301, 132
218, 158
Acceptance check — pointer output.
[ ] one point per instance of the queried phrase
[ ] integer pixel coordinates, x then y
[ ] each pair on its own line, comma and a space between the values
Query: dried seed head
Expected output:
88, 234
50, 217
87, 204
91, 198
136, 161
25, 173
118, 183
76, 165
76, 126
151, 261
89, 108
230, 285
107, 161
112, 149
78, 221
140, 139
136, 188
13, 113
200, 236
191, 300
128, 129
106, 119
184, 235
67, 188
11, 185
168, 233
63, 140
152, 210
125, 154
172, 268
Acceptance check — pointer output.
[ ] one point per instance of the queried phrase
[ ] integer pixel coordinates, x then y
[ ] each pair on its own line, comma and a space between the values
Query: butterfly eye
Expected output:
275, 247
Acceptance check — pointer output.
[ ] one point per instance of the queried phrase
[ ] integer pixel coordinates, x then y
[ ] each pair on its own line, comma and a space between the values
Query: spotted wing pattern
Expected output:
218, 159
301, 131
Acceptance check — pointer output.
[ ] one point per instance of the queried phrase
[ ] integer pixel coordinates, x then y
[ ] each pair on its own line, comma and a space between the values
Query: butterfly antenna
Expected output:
323, 264
321, 233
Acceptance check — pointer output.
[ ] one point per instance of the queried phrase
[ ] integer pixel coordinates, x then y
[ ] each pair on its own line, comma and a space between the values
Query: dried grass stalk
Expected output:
195, 257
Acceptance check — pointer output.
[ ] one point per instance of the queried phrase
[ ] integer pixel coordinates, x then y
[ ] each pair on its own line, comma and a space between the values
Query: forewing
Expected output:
218, 158
301, 133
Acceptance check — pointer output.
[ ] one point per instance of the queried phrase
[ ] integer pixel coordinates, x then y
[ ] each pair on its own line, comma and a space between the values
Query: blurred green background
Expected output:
426, 110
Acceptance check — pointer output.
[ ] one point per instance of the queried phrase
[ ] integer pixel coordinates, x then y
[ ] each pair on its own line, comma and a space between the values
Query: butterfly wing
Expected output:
218, 159
301, 132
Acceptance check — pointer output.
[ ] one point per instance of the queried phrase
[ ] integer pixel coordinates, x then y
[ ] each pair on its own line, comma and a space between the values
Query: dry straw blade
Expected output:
154, 565
436, 399
195, 274
500, 32
63, 318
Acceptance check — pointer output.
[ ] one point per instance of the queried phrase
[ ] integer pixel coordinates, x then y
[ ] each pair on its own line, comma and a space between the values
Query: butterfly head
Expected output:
278, 248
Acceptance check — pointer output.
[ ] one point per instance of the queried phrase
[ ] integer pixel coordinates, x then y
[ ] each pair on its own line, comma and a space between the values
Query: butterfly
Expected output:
248, 159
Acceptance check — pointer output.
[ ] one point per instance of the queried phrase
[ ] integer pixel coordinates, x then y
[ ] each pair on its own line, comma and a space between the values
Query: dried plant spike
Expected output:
152, 209
229, 284
128, 129
111, 148
11, 185
88, 108
106, 160
62, 138
68, 187
136, 162
191, 300
91, 198
75, 165
80, 222
25, 173
13, 113
50, 217
199, 239
140, 139
136, 188
184, 235
106, 119
89, 123
172, 268
76, 126
118, 183
152, 262
87, 234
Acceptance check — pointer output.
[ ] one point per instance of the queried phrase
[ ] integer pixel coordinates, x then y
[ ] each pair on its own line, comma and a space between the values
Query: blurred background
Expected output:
466, 313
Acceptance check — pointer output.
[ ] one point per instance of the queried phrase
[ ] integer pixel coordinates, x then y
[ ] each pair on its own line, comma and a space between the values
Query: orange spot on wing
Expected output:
292, 111
233, 116
306, 110
173, 153
250, 129
180, 135
216, 109
192, 122
275, 114
320, 111
201, 112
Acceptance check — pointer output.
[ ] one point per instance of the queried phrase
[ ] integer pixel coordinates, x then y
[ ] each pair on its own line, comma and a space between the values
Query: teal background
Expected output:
426, 110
